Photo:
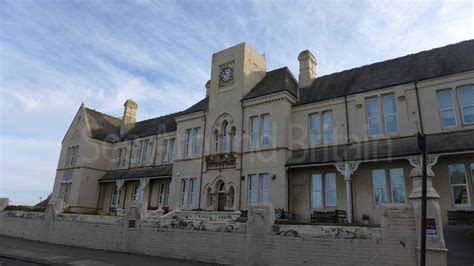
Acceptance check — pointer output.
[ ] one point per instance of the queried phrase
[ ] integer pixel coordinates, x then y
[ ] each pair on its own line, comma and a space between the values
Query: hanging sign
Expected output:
431, 226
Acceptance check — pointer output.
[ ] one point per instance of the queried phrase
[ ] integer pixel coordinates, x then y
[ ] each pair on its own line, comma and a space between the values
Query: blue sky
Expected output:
56, 54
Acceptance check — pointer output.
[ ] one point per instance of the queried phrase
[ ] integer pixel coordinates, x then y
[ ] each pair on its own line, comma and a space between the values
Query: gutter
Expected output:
241, 154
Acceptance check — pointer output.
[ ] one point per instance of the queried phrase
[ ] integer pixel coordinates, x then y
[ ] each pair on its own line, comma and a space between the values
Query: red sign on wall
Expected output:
228, 164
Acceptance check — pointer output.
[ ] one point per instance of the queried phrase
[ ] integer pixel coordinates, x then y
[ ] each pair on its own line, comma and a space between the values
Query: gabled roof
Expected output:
103, 126
438, 62
274, 81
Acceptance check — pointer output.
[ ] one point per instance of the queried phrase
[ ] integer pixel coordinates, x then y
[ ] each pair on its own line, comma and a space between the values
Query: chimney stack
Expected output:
129, 116
307, 69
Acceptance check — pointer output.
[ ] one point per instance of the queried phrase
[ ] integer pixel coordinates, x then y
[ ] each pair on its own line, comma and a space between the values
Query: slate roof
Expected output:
458, 141
438, 62
103, 126
274, 81
137, 173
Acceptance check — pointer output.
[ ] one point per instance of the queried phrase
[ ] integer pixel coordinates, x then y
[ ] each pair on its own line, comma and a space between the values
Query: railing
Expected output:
202, 215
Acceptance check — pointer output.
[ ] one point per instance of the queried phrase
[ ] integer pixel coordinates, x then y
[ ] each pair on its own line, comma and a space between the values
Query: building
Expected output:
342, 141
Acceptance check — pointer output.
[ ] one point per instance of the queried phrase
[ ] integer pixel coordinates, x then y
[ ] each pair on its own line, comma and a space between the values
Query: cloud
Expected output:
55, 55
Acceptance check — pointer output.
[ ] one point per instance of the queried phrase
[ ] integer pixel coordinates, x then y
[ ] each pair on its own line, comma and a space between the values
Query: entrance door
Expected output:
222, 200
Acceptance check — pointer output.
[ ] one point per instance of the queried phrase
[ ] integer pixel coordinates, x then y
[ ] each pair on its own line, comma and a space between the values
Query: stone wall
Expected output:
226, 242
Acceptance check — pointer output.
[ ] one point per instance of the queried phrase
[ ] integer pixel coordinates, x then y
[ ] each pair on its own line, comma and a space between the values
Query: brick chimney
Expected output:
129, 116
307, 69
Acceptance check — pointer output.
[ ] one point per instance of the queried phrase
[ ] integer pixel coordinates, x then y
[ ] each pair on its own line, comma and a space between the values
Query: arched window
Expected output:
230, 197
232, 138
216, 141
225, 140
221, 187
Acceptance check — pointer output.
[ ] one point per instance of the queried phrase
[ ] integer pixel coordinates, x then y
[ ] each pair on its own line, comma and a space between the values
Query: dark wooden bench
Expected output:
460, 217
336, 216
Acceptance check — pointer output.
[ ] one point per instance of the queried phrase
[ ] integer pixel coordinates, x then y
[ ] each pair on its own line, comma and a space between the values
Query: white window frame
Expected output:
188, 147
385, 115
253, 191
172, 145
254, 132
265, 132
135, 191
192, 192
184, 192
115, 193
314, 129
369, 118
327, 128
163, 194
165, 155
197, 141
458, 89
262, 190
466, 184
327, 189
314, 190
392, 187
388, 190
453, 108
384, 189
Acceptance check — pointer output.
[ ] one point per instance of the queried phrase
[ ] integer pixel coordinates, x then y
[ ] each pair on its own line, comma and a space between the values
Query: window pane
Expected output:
197, 141
391, 124
460, 195
448, 118
265, 130
466, 95
316, 193
374, 126
314, 125
445, 99
254, 131
327, 125
468, 114
389, 106
397, 184
457, 174
165, 150
252, 189
379, 184
373, 107
330, 184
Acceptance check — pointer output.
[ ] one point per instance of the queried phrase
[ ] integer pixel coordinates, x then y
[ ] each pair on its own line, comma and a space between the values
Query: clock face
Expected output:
227, 74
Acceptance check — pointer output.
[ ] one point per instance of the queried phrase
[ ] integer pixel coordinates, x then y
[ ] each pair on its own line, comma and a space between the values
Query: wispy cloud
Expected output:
56, 54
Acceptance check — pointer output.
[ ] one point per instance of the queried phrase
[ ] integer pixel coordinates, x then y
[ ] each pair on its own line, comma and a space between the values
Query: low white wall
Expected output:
226, 243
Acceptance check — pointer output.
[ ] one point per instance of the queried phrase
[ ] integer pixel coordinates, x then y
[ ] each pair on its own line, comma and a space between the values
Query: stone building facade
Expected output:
343, 141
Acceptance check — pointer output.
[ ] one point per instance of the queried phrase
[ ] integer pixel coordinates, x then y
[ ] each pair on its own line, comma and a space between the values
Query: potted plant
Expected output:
365, 218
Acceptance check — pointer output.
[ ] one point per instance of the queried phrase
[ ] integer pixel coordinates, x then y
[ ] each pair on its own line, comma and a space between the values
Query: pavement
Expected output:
461, 247
16, 251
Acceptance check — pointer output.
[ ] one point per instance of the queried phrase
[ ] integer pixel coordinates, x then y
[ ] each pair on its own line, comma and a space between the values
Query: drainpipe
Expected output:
241, 153
347, 121
419, 109
202, 157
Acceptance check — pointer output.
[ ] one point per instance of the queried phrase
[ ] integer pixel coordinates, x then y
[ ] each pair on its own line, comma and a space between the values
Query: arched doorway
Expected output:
221, 196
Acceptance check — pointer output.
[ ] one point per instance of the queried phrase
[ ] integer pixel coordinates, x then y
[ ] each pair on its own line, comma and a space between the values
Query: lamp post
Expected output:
422, 146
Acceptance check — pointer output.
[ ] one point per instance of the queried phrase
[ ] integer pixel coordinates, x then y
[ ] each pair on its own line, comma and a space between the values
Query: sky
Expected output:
56, 54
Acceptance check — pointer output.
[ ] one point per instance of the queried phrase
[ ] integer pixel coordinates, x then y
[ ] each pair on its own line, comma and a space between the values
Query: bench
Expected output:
336, 216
